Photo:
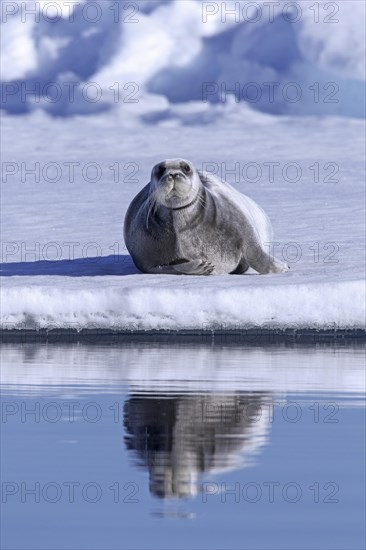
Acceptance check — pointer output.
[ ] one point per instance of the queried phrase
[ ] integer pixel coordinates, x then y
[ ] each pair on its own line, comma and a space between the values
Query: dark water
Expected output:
168, 446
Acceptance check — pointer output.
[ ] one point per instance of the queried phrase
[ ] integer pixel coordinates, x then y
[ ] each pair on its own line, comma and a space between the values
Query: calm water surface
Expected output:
182, 446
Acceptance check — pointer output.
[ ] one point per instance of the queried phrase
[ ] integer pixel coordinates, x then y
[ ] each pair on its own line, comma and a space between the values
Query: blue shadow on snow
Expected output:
79, 267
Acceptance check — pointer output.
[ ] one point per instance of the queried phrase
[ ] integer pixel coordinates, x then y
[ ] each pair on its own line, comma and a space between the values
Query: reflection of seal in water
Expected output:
179, 437
186, 222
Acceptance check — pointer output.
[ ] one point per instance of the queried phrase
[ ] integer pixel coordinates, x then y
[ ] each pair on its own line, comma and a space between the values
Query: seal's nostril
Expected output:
172, 175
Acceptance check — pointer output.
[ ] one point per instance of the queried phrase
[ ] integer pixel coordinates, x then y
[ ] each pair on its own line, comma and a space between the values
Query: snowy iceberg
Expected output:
305, 59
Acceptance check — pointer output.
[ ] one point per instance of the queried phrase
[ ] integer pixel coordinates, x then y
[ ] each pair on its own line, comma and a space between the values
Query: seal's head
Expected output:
175, 183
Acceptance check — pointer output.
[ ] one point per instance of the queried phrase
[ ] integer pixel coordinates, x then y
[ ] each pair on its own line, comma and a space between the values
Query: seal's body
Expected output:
186, 222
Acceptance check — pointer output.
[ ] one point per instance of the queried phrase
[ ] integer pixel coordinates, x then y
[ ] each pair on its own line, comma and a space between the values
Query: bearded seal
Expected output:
192, 223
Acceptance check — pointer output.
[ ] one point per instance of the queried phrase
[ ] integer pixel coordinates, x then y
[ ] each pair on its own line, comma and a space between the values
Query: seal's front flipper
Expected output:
184, 267
194, 267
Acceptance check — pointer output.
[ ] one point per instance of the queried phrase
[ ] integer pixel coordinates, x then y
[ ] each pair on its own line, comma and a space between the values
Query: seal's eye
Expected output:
159, 170
185, 167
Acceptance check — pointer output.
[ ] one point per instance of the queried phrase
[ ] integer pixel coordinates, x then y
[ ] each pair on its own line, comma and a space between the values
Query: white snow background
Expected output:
64, 263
